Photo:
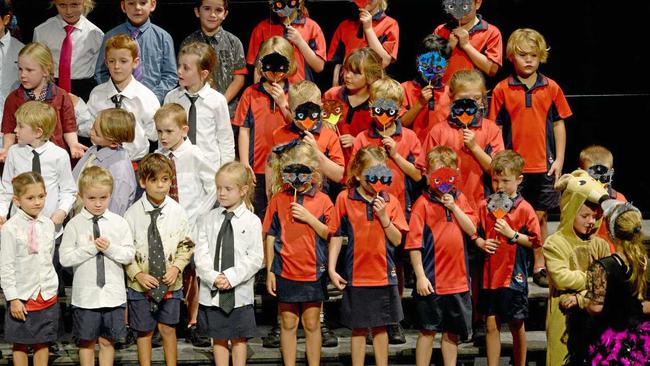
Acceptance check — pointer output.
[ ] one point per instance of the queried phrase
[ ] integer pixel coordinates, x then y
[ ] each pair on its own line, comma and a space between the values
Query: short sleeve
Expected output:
337, 47
254, 44
397, 215
494, 46
243, 109
317, 41
496, 104
391, 39
464, 205
271, 224
338, 212
560, 105
596, 283
416, 226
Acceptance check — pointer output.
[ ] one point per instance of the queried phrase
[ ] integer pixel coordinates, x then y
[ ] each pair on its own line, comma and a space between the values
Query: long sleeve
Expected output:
168, 76
71, 254
101, 71
7, 192
124, 251
8, 265
85, 119
249, 264
207, 174
202, 259
185, 246
67, 186
557, 264
224, 133
132, 268
124, 187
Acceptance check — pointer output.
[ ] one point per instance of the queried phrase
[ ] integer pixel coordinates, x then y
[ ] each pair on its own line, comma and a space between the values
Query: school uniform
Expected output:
248, 248
86, 40
370, 298
137, 99
9, 48
97, 310
195, 174
213, 129
178, 246
435, 111
349, 36
27, 274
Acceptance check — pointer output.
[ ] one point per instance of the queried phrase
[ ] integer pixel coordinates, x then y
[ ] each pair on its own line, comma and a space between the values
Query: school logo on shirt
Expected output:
393, 273
519, 277
322, 268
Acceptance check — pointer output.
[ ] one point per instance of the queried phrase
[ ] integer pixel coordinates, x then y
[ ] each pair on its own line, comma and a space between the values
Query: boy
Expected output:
508, 240
155, 46
125, 92
97, 243
441, 221
531, 109
9, 48
475, 44
33, 152
230, 75
163, 247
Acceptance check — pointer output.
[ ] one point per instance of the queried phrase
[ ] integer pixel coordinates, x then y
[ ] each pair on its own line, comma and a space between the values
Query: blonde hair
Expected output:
173, 111
525, 40
281, 46
387, 88
365, 61
122, 42
302, 92
362, 160
88, 6
40, 54
207, 58
37, 115
95, 176
116, 125
596, 154
629, 239
243, 177
464, 79
444, 154
383, 4
300, 154
20, 182
507, 162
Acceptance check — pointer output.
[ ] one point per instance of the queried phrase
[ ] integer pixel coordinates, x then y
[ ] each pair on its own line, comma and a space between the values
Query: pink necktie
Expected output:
137, 73
32, 243
66, 59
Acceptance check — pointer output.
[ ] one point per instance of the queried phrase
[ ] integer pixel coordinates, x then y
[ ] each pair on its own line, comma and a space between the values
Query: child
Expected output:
475, 43
163, 247
474, 138
290, 19
296, 240
360, 69
226, 295
9, 48
35, 63
97, 243
568, 253
112, 128
507, 242
157, 67
374, 29
125, 92
73, 40
230, 72
598, 161
35, 122
262, 109
27, 276
426, 98
441, 221
370, 296
531, 110
208, 117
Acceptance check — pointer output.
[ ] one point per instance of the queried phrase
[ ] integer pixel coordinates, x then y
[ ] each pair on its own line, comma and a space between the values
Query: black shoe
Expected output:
478, 335
328, 338
272, 340
156, 340
395, 334
541, 278
196, 339
129, 339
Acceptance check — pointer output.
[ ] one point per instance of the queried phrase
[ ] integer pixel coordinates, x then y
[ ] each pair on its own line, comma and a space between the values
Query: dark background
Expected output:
596, 57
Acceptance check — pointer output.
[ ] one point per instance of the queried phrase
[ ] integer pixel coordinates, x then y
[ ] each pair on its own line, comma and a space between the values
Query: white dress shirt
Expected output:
78, 251
249, 255
85, 120
9, 48
197, 191
23, 275
86, 43
55, 168
213, 129
140, 101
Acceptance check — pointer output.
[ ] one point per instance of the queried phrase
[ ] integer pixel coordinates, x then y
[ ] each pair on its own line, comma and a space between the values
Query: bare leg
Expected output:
191, 288
168, 334
220, 351
106, 352
358, 346
519, 349
424, 348
87, 353
311, 325
449, 348
380, 345
144, 349
289, 318
493, 340
239, 352
19, 355
539, 262
41, 354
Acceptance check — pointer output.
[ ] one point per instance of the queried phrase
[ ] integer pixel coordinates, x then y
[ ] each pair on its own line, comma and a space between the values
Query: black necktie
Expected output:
36, 162
225, 247
99, 258
117, 100
157, 266
191, 118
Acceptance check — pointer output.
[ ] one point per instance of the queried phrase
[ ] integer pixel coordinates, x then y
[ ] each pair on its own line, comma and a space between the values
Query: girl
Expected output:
27, 249
208, 116
73, 40
474, 138
228, 254
263, 108
374, 29
36, 67
296, 227
360, 69
291, 20
370, 296
9, 48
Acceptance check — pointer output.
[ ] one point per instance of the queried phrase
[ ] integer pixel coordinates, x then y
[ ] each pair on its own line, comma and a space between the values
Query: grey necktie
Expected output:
117, 100
36, 162
225, 247
157, 266
191, 118
99, 258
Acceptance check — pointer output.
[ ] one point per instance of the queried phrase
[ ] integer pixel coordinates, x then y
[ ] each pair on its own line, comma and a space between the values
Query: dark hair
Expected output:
198, 3
5, 8
434, 42
154, 165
